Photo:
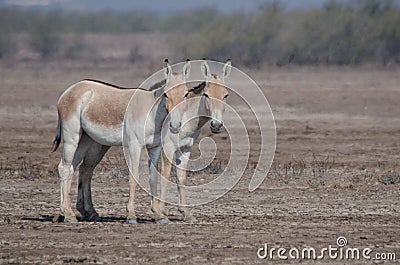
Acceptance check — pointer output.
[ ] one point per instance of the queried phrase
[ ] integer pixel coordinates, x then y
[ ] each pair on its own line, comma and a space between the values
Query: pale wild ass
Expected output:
90, 121
205, 102
145, 131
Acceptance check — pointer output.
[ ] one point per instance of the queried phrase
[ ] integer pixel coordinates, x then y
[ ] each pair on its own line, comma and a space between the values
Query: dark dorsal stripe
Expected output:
199, 88
112, 85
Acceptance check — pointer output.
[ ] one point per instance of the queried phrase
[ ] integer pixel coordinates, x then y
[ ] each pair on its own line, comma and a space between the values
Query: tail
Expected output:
57, 137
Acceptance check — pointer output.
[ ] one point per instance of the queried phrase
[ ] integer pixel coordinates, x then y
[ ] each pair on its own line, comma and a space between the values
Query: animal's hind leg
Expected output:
84, 144
72, 155
93, 156
132, 154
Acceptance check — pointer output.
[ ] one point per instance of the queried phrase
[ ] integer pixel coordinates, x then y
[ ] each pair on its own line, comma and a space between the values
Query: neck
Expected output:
196, 112
159, 112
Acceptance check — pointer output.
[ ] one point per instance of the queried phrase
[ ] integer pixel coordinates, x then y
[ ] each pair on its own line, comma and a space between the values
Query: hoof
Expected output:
164, 212
163, 220
191, 220
58, 218
70, 219
131, 220
94, 217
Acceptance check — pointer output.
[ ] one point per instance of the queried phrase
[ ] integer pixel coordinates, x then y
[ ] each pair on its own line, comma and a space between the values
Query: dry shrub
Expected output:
389, 177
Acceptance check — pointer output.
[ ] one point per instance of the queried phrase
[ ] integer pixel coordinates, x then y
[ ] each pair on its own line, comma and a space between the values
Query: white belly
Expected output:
110, 135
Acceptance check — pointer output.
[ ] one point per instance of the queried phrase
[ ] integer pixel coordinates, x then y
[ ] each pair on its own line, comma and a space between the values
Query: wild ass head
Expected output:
175, 93
215, 93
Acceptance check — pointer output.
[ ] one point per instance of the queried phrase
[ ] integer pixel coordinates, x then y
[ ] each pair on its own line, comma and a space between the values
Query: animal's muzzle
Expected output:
175, 129
216, 126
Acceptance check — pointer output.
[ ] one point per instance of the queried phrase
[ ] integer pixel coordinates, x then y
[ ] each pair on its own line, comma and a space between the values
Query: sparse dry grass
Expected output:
322, 172
26, 169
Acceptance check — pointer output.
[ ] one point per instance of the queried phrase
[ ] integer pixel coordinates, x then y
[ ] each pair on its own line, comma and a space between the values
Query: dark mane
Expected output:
158, 85
199, 88
111, 85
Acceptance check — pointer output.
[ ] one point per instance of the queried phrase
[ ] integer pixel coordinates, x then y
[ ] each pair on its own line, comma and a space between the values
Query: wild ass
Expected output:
206, 103
141, 131
90, 121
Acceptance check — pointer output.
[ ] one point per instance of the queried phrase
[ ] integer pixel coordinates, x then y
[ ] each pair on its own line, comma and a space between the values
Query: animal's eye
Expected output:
226, 96
165, 95
206, 95
187, 93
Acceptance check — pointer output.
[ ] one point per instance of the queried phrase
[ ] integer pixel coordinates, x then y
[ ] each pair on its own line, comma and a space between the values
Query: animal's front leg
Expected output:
165, 177
154, 155
181, 176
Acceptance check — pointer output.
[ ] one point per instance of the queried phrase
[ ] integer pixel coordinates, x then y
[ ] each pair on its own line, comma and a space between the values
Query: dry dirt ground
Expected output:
334, 174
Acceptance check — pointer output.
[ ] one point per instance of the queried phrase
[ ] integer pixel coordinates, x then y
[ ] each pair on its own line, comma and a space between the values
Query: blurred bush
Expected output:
364, 31
75, 47
44, 36
7, 42
339, 33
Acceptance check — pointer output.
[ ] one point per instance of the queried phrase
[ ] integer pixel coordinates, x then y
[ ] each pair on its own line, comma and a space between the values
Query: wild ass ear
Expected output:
205, 70
167, 69
186, 70
226, 70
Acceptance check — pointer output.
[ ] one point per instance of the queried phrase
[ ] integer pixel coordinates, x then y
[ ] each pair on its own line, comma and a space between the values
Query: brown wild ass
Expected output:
90, 121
